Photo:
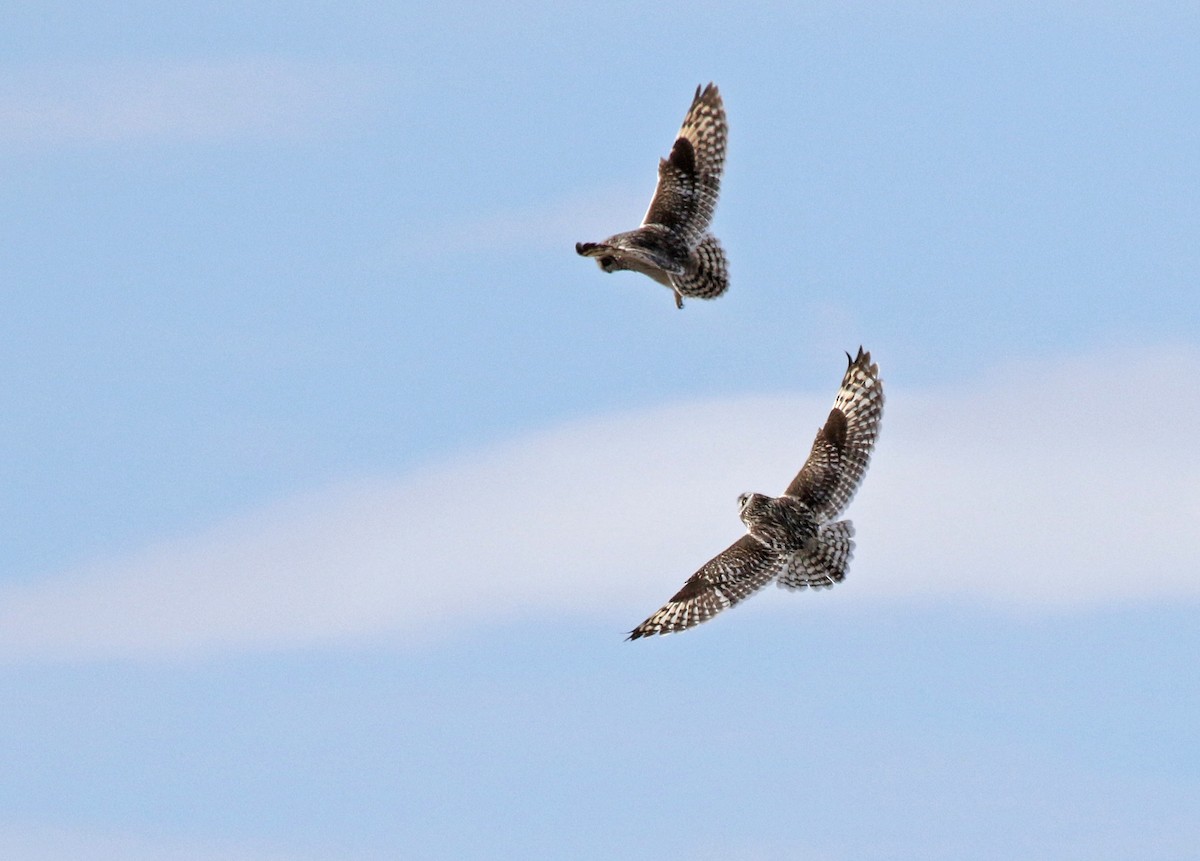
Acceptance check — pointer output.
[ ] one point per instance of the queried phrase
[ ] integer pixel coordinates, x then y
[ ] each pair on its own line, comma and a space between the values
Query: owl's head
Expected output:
750, 506
600, 252
754, 509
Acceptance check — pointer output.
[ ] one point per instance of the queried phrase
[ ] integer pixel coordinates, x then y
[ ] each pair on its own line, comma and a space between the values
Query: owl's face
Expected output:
601, 252
751, 507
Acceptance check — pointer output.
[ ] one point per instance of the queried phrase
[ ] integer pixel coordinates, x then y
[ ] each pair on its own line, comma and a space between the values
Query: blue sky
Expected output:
333, 478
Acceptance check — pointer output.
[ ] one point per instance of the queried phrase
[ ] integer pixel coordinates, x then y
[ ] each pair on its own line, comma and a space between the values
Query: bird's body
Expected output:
794, 538
783, 524
673, 245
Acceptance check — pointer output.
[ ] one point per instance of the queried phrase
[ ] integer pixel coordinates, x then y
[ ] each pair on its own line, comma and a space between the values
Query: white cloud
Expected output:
1054, 486
203, 100
1065, 484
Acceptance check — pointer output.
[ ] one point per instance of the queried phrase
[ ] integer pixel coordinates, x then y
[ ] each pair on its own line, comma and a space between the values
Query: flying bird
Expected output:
673, 245
793, 539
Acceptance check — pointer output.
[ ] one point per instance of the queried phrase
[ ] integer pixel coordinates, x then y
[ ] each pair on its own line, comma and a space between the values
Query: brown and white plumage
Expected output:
792, 539
673, 245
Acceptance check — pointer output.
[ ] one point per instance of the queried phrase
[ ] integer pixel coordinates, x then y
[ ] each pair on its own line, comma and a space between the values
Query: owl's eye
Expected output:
606, 262
742, 500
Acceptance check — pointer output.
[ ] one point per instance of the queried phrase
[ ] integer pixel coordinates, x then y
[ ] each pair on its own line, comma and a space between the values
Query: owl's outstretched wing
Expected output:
689, 179
728, 578
842, 450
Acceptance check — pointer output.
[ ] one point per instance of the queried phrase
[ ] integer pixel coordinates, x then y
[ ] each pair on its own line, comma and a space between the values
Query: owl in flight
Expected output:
673, 245
792, 539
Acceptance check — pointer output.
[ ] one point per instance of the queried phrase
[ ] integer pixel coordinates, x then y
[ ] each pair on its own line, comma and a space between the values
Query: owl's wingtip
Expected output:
582, 248
705, 92
863, 356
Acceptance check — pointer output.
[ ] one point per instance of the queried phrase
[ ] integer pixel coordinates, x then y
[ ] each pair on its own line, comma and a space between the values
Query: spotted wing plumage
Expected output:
689, 179
823, 561
728, 578
842, 449
706, 275
811, 550
673, 246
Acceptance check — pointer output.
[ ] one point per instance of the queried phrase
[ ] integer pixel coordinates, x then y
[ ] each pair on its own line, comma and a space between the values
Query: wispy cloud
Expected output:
26, 843
201, 100
555, 224
1046, 487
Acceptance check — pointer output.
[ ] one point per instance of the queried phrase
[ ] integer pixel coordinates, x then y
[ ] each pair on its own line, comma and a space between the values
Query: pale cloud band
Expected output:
205, 101
1055, 487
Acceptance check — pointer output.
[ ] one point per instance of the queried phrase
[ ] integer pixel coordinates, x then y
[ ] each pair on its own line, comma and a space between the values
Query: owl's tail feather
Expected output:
707, 272
823, 561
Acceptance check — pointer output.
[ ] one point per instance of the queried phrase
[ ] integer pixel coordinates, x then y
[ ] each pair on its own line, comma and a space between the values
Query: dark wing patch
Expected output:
817, 479
727, 579
689, 179
842, 450
674, 203
683, 156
